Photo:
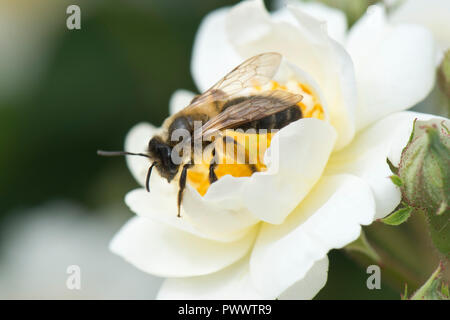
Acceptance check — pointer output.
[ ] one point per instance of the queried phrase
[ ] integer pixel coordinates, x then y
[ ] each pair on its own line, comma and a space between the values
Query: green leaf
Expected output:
398, 217
396, 180
434, 289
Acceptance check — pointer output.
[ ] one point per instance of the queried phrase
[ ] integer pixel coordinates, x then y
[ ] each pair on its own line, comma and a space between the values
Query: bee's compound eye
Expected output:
159, 149
180, 123
165, 154
164, 151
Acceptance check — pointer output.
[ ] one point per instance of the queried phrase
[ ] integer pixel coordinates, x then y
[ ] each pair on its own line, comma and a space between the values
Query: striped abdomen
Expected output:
274, 121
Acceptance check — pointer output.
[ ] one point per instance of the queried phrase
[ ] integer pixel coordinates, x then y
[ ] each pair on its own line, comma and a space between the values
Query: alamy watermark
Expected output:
73, 21
374, 280
228, 147
73, 281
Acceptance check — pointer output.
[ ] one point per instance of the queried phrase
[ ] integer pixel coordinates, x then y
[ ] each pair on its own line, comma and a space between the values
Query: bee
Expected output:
226, 105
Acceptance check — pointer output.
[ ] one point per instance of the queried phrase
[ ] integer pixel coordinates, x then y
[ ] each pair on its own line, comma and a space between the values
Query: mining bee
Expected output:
226, 105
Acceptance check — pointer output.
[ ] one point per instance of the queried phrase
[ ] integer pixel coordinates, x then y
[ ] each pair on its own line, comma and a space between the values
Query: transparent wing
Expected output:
255, 71
254, 108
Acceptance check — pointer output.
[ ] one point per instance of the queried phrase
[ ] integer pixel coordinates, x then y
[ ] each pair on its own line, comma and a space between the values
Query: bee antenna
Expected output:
147, 179
126, 153
120, 153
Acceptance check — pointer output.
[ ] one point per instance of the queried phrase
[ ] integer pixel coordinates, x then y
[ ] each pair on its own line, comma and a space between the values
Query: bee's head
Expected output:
161, 153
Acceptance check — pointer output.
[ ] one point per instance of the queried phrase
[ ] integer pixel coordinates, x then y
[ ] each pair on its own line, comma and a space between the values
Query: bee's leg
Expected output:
212, 166
182, 185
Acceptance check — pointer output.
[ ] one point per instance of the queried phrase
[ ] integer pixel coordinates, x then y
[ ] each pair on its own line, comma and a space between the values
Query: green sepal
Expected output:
434, 289
404, 296
398, 217
396, 180
393, 168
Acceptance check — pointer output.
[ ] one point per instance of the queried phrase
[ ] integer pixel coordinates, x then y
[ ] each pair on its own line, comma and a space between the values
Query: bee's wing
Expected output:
255, 71
254, 108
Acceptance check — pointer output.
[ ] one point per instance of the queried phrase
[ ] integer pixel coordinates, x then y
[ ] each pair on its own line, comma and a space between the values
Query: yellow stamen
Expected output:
305, 88
277, 86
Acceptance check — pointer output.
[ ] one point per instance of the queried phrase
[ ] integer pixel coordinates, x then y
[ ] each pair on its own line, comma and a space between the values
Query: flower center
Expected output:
238, 156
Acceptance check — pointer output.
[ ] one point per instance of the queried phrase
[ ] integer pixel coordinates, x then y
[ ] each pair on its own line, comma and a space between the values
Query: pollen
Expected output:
305, 88
310, 104
240, 158
276, 86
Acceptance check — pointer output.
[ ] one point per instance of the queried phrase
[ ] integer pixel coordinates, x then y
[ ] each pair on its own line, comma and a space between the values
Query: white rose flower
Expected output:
267, 235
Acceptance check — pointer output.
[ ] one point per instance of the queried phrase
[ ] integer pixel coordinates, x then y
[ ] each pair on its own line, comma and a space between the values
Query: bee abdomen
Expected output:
275, 121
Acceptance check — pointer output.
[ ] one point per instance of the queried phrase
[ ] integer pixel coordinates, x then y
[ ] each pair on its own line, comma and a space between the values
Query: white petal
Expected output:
168, 252
230, 283
299, 153
180, 99
394, 65
433, 14
234, 282
366, 157
306, 44
335, 19
223, 218
303, 148
307, 288
160, 205
137, 141
233, 205
330, 217
212, 55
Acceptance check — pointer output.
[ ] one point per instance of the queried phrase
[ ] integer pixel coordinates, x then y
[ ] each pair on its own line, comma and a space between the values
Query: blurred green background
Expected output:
66, 93
119, 69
